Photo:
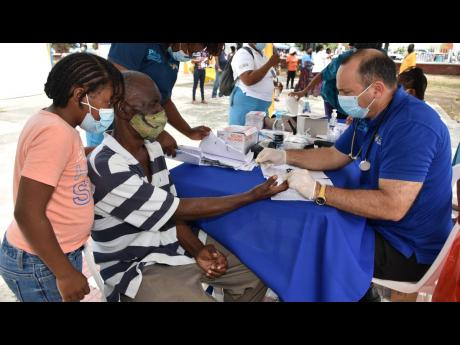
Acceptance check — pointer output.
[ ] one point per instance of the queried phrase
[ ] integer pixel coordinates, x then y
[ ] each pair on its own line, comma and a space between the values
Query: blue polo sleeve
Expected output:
129, 55
343, 144
407, 152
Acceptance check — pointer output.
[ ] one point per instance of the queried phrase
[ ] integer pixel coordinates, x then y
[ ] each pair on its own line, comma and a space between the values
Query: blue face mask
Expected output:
351, 106
179, 55
260, 46
91, 125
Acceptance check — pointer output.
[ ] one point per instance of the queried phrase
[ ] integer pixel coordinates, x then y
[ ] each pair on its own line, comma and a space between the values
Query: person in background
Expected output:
232, 52
221, 62
329, 56
160, 61
254, 75
292, 63
305, 70
409, 60
201, 61
41, 254
414, 82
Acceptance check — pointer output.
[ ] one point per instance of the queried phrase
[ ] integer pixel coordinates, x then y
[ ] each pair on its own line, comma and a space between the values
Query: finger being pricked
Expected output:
280, 188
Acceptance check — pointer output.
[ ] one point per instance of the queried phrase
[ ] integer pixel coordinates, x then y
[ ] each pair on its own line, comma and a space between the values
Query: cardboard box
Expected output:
255, 119
239, 137
313, 126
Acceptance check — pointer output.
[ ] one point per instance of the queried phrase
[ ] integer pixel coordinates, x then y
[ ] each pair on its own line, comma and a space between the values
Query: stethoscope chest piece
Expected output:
364, 165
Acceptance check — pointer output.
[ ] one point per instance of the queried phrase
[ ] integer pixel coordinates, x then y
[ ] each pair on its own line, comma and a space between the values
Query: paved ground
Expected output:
14, 113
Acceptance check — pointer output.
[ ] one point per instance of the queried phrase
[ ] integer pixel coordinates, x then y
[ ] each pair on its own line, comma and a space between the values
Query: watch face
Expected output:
320, 201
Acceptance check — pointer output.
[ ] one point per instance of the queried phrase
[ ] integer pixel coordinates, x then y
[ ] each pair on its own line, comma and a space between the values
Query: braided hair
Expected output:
82, 70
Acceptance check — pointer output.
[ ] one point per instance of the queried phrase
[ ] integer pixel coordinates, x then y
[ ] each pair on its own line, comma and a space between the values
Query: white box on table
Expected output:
239, 137
256, 119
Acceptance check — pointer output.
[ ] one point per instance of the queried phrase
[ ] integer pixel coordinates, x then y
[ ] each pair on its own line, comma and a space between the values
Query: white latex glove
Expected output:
301, 181
273, 156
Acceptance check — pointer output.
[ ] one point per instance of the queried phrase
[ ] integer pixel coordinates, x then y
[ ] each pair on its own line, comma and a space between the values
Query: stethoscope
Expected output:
365, 165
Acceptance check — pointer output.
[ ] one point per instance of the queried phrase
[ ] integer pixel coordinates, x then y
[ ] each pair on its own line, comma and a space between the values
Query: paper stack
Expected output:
213, 151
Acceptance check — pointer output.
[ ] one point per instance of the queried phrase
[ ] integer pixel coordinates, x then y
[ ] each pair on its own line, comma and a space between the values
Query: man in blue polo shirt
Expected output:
403, 150
160, 61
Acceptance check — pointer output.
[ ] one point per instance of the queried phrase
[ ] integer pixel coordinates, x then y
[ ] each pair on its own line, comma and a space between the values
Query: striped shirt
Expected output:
133, 225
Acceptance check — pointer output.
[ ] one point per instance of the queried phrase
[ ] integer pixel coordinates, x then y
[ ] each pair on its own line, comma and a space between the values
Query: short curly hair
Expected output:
414, 79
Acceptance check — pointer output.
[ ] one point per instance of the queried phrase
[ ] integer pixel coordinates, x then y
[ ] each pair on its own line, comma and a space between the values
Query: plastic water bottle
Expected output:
306, 107
278, 129
332, 130
278, 125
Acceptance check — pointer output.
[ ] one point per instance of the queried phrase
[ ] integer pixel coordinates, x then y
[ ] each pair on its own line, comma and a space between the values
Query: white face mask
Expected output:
91, 125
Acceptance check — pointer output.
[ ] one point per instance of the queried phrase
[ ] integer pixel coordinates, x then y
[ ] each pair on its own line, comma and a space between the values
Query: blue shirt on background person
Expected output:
152, 59
306, 58
412, 144
329, 90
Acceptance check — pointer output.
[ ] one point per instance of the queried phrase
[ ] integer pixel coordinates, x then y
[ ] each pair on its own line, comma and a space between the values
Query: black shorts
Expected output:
390, 264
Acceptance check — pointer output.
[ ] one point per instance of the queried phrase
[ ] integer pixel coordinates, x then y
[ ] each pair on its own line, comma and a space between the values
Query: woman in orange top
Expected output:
40, 257
292, 62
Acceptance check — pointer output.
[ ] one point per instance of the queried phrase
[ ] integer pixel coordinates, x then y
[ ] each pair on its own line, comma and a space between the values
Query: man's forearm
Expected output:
314, 159
196, 208
187, 239
313, 82
372, 204
175, 118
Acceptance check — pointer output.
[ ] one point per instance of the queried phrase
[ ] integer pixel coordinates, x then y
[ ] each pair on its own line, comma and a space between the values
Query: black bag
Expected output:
227, 83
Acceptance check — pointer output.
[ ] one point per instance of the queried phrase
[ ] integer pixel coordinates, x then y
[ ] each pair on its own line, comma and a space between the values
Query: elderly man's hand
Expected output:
268, 189
168, 143
272, 156
303, 182
211, 261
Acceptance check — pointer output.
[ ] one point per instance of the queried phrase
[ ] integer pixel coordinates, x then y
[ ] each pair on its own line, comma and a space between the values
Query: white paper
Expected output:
216, 146
213, 151
188, 154
282, 171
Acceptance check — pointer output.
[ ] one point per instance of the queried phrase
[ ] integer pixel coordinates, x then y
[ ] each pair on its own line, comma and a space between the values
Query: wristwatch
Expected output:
321, 198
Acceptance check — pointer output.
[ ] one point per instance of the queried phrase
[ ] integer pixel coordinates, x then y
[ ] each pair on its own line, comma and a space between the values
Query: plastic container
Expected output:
278, 125
333, 132
306, 107
292, 105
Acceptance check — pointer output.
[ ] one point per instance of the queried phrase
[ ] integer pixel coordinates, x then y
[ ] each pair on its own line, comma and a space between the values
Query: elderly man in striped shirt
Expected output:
142, 242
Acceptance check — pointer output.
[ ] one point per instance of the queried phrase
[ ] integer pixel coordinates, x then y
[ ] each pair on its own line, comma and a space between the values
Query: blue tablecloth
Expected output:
302, 251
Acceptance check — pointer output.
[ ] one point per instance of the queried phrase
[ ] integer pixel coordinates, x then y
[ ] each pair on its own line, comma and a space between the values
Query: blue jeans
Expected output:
216, 85
27, 275
241, 104
199, 75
